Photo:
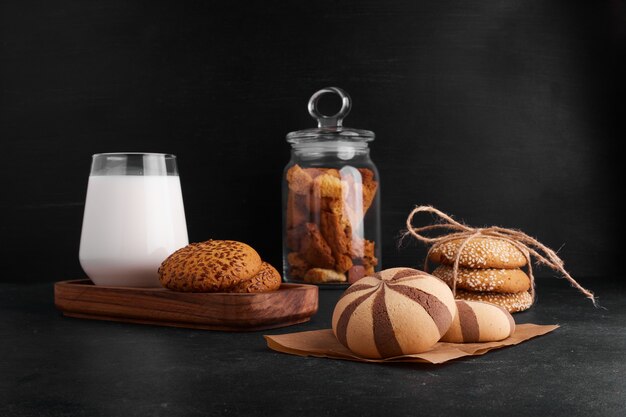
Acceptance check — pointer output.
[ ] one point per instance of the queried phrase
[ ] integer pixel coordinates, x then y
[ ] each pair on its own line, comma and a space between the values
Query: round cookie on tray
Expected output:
267, 279
211, 266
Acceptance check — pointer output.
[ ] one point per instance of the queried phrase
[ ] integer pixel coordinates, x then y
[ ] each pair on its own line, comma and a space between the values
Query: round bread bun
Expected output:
479, 322
492, 280
480, 252
398, 311
267, 279
512, 302
211, 266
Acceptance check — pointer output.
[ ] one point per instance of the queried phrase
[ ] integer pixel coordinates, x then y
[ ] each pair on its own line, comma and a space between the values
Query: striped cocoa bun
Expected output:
479, 322
398, 311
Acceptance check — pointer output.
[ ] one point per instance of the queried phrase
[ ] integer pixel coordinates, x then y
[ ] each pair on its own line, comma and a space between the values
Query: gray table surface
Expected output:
56, 366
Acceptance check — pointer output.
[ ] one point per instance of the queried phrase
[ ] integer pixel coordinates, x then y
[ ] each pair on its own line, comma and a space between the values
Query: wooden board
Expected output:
291, 304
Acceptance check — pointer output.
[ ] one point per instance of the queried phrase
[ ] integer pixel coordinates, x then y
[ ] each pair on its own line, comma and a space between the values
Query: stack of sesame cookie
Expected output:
489, 270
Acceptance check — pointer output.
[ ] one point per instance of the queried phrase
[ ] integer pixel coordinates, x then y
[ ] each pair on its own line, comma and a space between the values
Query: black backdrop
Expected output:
497, 111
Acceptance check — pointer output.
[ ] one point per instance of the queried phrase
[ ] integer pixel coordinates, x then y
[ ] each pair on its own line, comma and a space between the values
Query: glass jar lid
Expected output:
330, 128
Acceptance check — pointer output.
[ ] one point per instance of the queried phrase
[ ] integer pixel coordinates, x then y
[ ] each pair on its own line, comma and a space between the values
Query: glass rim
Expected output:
165, 155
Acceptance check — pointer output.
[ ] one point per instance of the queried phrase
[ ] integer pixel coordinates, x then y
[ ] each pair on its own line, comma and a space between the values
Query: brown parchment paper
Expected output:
323, 344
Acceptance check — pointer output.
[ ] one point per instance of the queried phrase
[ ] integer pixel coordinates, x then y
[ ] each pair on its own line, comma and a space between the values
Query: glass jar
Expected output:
331, 201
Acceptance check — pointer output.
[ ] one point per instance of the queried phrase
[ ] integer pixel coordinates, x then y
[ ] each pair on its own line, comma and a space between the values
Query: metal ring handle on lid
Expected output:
330, 121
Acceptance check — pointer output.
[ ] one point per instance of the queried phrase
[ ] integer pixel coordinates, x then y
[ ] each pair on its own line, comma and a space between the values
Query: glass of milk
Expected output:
134, 218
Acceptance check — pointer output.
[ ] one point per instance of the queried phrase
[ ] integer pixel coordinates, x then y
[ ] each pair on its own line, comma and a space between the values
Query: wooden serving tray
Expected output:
291, 304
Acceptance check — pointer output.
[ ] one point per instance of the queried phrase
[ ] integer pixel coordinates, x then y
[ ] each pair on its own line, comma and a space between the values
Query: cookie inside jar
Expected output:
326, 220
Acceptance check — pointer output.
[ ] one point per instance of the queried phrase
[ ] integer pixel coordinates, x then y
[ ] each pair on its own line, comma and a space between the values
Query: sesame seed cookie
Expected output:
211, 266
267, 279
513, 302
493, 280
480, 252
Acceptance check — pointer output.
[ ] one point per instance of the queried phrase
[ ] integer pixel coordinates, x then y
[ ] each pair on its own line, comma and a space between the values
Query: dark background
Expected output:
496, 111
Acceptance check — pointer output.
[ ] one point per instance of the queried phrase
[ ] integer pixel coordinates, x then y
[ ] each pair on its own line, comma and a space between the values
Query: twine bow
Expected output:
454, 230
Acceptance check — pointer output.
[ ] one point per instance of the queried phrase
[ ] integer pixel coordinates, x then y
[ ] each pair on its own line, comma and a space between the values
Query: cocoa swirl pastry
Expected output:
479, 322
211, 266
394, 312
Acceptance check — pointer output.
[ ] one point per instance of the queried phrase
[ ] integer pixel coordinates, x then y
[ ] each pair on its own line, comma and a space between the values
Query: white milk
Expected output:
131, 224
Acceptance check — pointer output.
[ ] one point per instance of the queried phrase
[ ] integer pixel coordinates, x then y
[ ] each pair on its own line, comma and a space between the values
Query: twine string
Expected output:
450, 229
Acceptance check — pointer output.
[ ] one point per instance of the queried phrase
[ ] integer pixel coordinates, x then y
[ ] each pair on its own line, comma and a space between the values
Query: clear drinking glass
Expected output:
134, 218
